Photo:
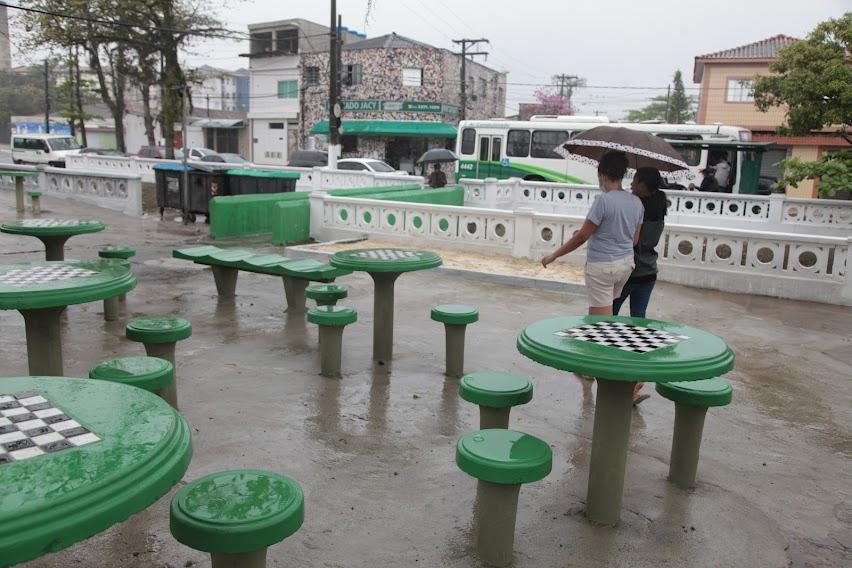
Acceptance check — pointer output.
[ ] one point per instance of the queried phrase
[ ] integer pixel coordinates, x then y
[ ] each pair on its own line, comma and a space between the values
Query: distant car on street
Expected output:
157, 152
367, 165
308, 159
225, 158
103, 152
200, 153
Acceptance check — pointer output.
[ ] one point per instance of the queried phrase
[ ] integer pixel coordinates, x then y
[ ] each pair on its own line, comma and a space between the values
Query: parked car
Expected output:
225, 158
200, 153
308, 158
103, 152
367, 165
49, 149
157, 152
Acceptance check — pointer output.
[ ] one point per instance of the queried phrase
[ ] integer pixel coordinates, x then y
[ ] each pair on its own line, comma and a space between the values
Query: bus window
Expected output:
468, 143
496, 144
692, 156
545, 141
518, 144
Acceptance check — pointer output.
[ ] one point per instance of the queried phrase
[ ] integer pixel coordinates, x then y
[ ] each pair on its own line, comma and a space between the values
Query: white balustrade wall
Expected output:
786, 265
120, 192
754, 212
311, 179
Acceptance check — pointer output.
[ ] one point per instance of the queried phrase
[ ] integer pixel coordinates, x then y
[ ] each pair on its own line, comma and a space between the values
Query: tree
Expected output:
675, 108
21, 93
812, 80
551, 102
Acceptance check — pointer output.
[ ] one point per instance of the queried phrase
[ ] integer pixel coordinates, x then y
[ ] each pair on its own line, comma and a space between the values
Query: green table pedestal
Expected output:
613, 412
383, 306
111, 308
497, 506
19, 194
44, 341
294, 290
686, 444
165, 351
54, 246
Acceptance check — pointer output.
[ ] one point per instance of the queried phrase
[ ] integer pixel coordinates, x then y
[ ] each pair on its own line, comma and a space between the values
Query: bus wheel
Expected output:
534, 178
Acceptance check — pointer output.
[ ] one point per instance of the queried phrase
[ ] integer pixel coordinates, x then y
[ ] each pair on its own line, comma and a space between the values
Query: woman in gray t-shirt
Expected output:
611, 230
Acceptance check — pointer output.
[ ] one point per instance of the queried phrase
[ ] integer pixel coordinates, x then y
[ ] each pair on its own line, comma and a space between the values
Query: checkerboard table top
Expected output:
84, 441
30, 285
385, 260
52, 227
628, 349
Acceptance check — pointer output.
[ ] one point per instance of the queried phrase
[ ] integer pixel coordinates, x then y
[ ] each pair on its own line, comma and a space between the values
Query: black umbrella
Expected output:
642, 149
437, 156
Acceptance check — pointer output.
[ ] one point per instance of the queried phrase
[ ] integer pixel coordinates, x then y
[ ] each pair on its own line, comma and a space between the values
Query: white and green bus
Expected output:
525, 149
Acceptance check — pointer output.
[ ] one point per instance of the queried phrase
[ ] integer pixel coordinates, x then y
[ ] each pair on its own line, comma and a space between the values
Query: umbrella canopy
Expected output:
643, 149
437, 156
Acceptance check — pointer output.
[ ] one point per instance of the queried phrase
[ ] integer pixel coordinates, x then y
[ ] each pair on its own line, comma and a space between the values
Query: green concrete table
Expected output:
52, 232
86, 455
384, 265
42, 290
620, 351
19, 186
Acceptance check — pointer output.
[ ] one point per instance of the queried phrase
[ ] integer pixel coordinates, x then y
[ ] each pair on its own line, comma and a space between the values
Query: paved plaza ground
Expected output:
374, 450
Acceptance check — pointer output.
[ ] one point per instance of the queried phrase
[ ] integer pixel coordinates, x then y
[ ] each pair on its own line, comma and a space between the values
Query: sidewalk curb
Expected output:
300, 252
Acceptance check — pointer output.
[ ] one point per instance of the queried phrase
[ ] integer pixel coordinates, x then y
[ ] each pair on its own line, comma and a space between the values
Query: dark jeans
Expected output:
639, 294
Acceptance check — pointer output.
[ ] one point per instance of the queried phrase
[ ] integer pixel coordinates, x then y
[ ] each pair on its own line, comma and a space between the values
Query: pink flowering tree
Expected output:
551, 102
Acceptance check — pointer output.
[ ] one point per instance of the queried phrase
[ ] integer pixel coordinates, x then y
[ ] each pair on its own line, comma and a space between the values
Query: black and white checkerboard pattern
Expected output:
31, 426
29, 276
51, 222
388, 254
624, 336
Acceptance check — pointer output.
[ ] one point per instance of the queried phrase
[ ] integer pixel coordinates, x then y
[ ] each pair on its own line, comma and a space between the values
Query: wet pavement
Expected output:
374, 450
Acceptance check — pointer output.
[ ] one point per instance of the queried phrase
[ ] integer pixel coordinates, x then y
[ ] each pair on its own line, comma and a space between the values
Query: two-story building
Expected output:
727, 97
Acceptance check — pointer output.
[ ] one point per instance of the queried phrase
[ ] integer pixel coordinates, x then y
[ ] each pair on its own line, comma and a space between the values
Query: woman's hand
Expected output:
547, 260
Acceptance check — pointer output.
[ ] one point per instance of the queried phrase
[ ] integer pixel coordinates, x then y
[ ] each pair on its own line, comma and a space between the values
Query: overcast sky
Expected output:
612, 43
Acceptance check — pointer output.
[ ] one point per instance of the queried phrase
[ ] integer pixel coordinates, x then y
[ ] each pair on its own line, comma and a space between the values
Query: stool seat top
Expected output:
497, 389
236, 511
158, 329
148, 373
455, 314
117, 252
332, 315
504, 456
709, 392
34, 193
326, 292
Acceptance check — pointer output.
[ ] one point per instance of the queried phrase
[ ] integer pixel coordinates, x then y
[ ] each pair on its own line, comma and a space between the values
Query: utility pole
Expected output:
71, 90
464, 42
334, 109
46, 98
208, 105
567, 84
668, 96
185, 172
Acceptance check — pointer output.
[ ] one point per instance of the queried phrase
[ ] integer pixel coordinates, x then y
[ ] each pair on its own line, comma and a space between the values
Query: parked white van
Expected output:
49, 149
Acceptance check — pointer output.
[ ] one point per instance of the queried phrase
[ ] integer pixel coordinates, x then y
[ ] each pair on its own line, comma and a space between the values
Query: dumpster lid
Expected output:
172, 167
265, 174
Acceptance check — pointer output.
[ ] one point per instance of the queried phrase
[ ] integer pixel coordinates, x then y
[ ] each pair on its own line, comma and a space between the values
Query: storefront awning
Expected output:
219, 123
390, 128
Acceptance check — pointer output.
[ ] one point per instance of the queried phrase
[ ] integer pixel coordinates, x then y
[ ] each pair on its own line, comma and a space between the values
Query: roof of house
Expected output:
763, 50
388, 41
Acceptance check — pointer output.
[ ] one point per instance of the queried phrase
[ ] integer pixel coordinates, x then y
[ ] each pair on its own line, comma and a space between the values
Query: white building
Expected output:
213, 88
274, 70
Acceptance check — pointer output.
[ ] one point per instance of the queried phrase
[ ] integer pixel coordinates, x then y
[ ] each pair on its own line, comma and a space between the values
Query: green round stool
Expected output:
501, 460
236, 515
331, 321
35, 199
148, 373
326, 294
159, 334
455, 318
496, 392
111, 304
692, 399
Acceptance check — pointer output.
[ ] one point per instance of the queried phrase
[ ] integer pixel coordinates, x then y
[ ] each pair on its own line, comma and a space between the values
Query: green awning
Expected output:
265, 174
390, 128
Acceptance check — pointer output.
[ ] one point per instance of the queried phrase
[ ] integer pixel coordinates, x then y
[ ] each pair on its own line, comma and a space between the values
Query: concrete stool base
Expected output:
36, 201
331, 347
165, 351
19, 194
455, 349
256, 559
490, 417
294, 291
226, 281
111, 308
686, 444
497, 510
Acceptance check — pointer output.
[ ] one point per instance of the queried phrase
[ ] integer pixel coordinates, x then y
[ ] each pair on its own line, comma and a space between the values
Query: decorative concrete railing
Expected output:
312, 179
754, 212
120, 192
804, 267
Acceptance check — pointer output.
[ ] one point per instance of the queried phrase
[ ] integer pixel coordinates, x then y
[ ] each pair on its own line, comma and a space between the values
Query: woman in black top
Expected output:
646, 186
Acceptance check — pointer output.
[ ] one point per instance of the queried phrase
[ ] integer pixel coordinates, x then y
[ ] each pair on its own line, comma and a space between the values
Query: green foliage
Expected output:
833, 169
676, 108
812, 79
21, 94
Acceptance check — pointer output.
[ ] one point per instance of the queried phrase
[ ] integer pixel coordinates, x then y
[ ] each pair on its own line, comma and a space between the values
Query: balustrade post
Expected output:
846, 291
776, 210
524, 232
316, 179
317, 227
489, 189
134, 197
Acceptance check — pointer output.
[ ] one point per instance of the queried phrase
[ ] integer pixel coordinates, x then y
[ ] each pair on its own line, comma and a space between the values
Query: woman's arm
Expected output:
573, 244
637, 234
